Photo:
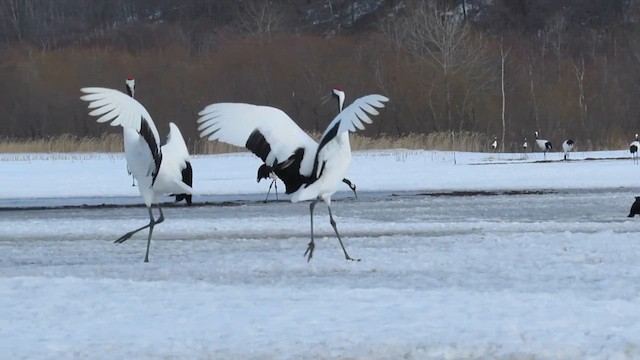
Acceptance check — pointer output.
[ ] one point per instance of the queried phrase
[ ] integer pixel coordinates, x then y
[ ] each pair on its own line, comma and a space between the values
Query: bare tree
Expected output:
503, 57
579, 71
260, 18
556, 30
444, 41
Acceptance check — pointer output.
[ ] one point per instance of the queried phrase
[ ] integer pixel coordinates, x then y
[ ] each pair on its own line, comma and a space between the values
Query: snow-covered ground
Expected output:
29, 176
543, 263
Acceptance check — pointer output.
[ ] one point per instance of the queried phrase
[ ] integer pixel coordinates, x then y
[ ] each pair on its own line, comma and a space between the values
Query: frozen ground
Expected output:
552, 273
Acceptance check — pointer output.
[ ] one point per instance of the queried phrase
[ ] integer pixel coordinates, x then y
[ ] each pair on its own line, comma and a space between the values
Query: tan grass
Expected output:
63, 144
112, 143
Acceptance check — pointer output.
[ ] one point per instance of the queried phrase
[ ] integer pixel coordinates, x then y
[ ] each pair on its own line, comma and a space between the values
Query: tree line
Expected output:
501, 68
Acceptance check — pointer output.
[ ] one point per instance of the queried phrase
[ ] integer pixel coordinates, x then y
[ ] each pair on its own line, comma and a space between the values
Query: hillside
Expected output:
569, 66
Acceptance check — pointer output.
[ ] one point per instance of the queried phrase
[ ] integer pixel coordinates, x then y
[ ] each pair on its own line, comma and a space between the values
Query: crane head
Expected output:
131, 86
339, 94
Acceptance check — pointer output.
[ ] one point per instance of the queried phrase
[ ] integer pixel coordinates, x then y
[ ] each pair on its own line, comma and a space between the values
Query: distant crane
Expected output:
525, 145
494, 144
133, 180
158, 170
567, 146
633, 148
310, 171
543, 144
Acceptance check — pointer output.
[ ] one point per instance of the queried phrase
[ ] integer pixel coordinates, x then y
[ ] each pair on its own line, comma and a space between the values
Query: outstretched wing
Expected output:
266, 131
353, 117
121, 109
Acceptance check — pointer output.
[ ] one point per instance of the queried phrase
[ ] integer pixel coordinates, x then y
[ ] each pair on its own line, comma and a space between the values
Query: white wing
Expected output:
353, 116
237, 124
175, 144
121, 109
175, 159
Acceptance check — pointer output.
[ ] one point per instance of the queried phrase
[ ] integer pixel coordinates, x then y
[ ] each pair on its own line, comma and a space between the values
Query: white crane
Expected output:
633, 149
525, 145
494, 144
266, 172
567, 146
131, 138
158, 170
544, 145
310, 171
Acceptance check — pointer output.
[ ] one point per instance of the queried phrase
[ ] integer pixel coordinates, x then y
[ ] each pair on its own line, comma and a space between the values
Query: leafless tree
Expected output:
260, 18
503, 57
579, 71
444, 41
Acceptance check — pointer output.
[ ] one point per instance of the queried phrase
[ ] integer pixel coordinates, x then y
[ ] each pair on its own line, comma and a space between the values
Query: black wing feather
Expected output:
258, 145
187, 178
147, 134
289, 171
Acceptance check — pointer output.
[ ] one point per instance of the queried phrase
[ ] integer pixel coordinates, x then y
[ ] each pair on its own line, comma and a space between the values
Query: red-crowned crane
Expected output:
310, 171
567, 146
266, 172
543, 144
633, 149
158, 170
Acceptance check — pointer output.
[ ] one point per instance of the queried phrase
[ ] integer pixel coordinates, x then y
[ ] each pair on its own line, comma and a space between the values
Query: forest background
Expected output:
458, 72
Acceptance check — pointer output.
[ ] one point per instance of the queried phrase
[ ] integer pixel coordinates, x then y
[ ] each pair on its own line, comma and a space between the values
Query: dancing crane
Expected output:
131, 137
310, 171
266, 172
158, 170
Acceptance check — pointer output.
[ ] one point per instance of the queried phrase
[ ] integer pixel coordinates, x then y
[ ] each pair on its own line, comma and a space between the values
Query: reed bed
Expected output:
66, 143
444, 141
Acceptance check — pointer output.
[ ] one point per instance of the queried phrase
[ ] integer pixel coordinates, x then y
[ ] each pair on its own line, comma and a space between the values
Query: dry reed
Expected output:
112, 143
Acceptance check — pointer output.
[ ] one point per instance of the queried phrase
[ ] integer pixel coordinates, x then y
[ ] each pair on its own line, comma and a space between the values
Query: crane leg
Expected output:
126, 236
152, 223
311, 245
333, 223
268, 192
276, 186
